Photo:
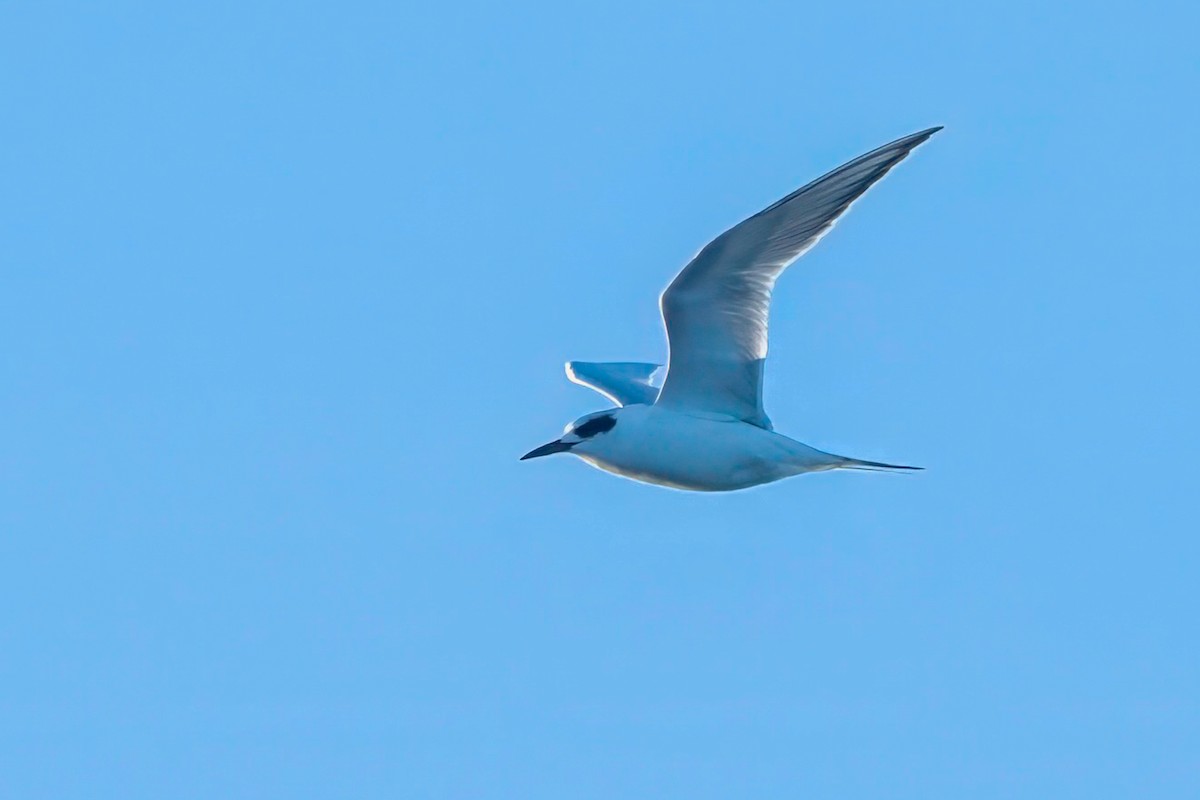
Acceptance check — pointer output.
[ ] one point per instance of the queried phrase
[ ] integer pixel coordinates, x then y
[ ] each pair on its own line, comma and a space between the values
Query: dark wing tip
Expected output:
913, 140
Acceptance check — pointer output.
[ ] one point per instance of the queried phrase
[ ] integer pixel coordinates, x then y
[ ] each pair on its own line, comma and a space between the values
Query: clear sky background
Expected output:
287, 289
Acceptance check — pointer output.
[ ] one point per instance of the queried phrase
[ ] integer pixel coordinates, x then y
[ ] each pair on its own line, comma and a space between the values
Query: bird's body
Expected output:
704, 428
705, 452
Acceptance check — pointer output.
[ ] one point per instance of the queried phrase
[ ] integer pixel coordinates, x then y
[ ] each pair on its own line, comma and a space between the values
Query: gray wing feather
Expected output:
716, 309
624, 382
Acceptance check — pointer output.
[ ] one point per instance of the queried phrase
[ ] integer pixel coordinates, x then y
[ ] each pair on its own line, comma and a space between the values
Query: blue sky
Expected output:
287, 289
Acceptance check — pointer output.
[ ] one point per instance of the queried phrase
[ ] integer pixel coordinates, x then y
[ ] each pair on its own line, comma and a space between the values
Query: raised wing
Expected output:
626, 383
715, 310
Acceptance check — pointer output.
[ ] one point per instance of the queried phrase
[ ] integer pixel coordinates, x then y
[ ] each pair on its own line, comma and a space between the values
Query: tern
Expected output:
704, 428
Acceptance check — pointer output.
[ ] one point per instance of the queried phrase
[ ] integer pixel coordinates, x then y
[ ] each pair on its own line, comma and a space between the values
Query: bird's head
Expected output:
580, 433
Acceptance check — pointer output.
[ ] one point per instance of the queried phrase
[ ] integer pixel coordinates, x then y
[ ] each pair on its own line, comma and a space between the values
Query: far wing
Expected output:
715, 310
624, 382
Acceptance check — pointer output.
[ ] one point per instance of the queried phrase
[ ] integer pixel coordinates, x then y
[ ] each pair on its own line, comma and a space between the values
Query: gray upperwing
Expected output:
626, 383
716, 309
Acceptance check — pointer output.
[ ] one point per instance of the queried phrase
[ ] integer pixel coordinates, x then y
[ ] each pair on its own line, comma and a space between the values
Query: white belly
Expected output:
684, 452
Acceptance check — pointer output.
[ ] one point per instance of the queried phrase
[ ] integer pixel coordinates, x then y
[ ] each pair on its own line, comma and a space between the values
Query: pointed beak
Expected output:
548, 449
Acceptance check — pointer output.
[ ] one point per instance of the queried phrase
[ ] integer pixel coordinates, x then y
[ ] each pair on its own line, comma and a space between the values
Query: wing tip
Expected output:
914, 140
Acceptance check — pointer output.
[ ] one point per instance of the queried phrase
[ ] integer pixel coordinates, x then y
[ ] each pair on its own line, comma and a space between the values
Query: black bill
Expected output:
548, 449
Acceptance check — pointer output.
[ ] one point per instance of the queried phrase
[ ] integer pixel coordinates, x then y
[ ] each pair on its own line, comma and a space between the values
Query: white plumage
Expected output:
706, 428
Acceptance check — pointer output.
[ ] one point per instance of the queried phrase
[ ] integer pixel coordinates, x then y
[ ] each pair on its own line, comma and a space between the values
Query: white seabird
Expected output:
705, 428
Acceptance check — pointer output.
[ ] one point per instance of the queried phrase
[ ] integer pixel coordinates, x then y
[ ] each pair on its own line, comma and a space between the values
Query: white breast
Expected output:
701, 453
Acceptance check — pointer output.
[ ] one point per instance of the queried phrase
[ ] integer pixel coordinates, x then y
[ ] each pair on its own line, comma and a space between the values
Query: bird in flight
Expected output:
703, 427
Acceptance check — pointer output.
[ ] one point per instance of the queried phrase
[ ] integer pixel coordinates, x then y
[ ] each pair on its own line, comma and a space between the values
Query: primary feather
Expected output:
716, 309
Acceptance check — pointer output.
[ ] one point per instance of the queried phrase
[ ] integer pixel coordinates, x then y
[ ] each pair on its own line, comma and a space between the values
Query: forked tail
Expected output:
874, 466
804, 458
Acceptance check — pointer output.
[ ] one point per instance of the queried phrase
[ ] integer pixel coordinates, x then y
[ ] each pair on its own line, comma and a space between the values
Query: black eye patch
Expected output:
595, 425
